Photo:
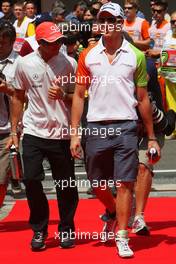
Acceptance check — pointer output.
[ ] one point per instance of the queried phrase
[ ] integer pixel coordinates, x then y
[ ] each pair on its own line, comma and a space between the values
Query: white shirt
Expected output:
45, 118
112, 86
9, 72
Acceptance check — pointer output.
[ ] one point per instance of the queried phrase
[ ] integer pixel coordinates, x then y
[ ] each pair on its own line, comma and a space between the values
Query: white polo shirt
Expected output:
112, 86
9, 71
45, 118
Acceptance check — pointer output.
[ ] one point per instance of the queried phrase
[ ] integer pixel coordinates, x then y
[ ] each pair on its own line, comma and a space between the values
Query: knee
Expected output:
125, 187
144, 171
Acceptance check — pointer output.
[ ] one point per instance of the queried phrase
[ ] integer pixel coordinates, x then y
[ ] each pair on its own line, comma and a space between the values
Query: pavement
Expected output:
164, 181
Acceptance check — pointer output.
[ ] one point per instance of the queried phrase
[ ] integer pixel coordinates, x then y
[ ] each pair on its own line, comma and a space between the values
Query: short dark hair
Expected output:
162, 3
3, 1
7, 30
19, 3
80, 3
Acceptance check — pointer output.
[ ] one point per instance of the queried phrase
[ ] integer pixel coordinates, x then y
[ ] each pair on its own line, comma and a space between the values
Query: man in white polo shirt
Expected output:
46, 124
114, 71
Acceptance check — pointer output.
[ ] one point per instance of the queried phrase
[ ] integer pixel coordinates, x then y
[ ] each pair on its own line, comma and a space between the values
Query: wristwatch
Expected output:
64, 95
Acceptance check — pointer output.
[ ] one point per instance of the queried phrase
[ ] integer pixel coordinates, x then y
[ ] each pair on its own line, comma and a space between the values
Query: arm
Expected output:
6, 88
77, 110
155, 54
146, 115
16, 110
142, 44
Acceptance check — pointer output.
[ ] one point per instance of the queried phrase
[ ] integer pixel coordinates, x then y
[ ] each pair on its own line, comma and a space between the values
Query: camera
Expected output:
163, 122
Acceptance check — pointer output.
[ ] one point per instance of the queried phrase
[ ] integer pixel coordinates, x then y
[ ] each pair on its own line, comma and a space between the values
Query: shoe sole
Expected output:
66, 247
38, 249
143, 232
126, 256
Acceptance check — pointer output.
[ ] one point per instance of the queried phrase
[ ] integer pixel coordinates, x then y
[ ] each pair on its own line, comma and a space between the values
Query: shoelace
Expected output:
124, 244
139, 221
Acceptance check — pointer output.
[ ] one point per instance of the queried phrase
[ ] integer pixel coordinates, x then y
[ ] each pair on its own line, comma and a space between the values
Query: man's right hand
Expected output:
5, 88
75, 147
13, 140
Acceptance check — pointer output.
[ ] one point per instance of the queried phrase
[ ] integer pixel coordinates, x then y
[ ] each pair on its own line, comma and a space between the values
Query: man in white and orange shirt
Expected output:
136, 27
112, 70
158, 28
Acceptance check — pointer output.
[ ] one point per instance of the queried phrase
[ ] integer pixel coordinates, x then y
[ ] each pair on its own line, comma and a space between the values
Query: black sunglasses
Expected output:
128, 7
158, 11
111, 20
57, 42
173, 21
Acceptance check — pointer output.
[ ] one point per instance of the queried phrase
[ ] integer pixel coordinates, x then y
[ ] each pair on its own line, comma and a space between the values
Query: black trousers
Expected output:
62, 166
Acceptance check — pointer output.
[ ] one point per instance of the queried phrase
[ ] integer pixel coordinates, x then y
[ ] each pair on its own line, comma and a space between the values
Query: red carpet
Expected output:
160, 247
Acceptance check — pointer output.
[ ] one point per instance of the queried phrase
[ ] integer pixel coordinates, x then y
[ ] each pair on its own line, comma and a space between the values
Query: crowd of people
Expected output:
101, 67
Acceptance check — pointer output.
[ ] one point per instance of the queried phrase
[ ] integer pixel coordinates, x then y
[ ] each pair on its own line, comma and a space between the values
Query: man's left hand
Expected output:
154, 144
55, 92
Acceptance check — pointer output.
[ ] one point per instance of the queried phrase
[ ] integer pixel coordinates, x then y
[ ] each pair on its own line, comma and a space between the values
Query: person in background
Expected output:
1, 15
30, 44
58, 15
30, 9
135, 26
77, 15
58, 3
158, 28
8, 62
88, 15
22, 26
168, 66
6, 7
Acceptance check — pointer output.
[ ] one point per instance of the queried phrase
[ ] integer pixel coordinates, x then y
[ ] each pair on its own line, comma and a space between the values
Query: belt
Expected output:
108, 122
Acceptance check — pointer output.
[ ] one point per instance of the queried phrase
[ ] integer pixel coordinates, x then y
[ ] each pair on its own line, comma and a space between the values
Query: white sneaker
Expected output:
139, 226
109, 228
124, 250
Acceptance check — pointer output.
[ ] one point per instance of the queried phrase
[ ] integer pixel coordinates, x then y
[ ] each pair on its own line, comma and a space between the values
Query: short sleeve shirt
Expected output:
111, 87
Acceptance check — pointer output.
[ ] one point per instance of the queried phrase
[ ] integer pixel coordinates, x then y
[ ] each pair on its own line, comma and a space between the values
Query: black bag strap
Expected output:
6, 99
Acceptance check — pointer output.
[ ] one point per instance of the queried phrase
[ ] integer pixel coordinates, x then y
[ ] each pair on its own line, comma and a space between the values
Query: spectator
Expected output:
22, 25
136, 27
8, 61
6, 7
30, 10
58, 14
168, 65
30, 44
158, 28
77, 15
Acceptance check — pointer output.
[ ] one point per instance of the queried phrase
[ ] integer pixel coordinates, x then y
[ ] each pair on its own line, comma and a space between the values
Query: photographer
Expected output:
164, 124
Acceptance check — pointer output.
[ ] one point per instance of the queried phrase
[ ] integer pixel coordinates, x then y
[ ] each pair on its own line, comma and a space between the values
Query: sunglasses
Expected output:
111, 20
57, 42
173, 22
157, 11
128, 7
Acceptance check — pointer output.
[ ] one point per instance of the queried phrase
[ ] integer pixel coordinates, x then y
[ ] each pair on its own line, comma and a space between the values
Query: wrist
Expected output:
13, 134
152, 139
64, 95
